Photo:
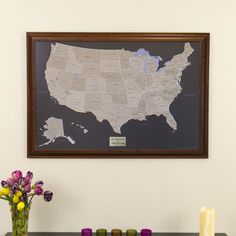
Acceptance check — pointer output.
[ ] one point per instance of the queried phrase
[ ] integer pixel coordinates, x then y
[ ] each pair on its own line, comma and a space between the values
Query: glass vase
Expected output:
19, 221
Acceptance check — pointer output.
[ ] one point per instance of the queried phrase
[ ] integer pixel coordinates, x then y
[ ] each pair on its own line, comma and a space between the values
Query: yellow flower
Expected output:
19, 194
6, 191
1, 193
15, 199
20, 206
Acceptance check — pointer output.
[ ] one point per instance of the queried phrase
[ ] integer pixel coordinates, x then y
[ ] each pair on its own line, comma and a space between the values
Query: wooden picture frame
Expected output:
117, 95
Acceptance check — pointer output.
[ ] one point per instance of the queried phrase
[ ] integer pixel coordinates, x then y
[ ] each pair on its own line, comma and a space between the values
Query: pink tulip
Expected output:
38, 190
11, 181
39, 183
16, 175
28, 177
28, 188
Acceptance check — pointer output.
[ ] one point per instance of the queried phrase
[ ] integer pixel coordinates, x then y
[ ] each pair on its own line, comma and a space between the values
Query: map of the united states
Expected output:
115, 85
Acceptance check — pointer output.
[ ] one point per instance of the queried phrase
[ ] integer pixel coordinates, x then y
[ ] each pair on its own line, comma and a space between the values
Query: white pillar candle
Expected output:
207, 221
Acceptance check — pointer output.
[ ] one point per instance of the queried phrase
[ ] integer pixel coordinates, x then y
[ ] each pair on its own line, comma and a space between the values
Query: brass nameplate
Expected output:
117, 141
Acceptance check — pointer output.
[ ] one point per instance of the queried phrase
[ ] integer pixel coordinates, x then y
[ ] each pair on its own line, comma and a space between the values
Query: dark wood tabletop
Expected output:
79, 234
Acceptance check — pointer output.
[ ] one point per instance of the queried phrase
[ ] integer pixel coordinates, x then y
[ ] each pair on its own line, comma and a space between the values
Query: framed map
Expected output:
126, 95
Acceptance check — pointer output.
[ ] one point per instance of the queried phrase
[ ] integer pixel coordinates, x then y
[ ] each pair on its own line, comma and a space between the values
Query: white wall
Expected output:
165, 195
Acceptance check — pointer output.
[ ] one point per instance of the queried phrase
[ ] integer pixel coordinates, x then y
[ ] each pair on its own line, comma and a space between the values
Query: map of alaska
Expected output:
115, 85
53, 130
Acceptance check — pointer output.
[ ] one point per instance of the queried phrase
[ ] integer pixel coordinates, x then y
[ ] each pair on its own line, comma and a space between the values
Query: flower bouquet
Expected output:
19, 191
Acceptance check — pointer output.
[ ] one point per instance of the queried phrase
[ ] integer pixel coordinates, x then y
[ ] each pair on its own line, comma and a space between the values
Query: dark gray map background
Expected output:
154, 133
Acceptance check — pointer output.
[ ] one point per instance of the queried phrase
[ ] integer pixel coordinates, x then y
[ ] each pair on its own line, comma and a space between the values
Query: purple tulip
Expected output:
38, 190
4, 184
16, 175
15, 188
27, 188
39, 183
10, 181
24, 197
28, 177
47, 196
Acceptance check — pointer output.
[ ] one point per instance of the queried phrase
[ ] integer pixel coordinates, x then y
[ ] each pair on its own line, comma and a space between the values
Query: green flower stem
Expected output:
4, 199
31, 199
